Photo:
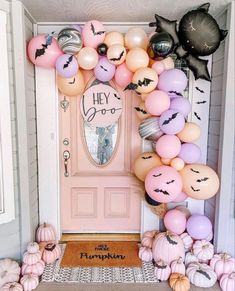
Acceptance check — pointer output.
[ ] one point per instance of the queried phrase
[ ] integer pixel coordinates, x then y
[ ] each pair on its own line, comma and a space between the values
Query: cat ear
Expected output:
223, 34
204, 7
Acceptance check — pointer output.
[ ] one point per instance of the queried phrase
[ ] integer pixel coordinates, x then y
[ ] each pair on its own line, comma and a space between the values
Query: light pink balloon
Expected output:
159, 67
168, 146
123, 76
93, 33
157, 102
180, 198
175, 221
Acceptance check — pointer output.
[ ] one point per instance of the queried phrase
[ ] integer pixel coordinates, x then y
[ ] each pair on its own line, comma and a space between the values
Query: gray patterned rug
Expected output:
54, 273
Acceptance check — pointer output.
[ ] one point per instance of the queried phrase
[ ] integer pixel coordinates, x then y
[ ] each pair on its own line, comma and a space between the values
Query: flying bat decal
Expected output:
72, 81
116, 96
195, 171
146, 158
161, 191
157, 175
195, 190
173, 116
198, 117
202, 180
141, 110
104, 68
41, 51
201, 102
177, 93
96, 32
119, 58
134, 86
172, 181
198, 89
68, 62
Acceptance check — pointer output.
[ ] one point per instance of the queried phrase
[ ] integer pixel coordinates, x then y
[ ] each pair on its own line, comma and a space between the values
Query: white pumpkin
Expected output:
203, 250
36, 269
14, 286
145, 254
190, 258
187, 241
201, 275
32, 248
9, 271
31, 259
178, 266
29, 282
222, 263
227, 282
162, 271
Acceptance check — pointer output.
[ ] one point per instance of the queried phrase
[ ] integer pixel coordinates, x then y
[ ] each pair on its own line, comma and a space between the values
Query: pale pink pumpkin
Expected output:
178, 266
14, 286
145, 254
9, 271
42, 244
147, 240
222, 264
203, 250
187, 241
36, 269
51, 253
162, 270
227, 282
45, 232
190, 258
32, 248
167, 247
29, 282
31, 259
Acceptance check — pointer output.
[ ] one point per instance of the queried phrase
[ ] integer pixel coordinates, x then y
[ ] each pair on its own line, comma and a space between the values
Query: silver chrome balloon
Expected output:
70, 40
149, 129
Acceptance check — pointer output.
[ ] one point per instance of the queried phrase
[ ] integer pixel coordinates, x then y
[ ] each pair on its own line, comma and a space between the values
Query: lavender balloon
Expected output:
104, 70
172, 80
66, 66
181, 105
77, 27
171, 122
174, 94
190, 153
199, 226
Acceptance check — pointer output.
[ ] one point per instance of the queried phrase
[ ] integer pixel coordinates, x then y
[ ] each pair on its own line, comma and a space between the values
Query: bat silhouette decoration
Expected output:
202, 180
172, 181
72, 81
173, 116
161, 191
201, 102
119, 58
41, 51
134, 86
146, 158
96, 32
68, 62
198, 117
195, 190
141, 110
177, 93
104, 68
157, 175
116, 96
195, 171
198, 89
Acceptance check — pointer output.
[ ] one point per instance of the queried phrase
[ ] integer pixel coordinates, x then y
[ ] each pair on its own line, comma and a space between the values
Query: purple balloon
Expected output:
171, 122
190, 153
199, 226
66, 66
181, 105
174, 94
77, 27
104, 70
172, 80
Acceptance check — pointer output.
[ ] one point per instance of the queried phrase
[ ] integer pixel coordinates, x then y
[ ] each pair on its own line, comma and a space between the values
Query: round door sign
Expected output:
101, 105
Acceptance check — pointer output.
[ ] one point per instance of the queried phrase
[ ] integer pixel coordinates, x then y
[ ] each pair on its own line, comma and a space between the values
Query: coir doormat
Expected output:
101, 254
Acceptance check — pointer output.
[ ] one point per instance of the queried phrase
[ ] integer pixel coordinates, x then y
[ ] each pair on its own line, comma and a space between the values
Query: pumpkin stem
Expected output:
44, 224
232, 275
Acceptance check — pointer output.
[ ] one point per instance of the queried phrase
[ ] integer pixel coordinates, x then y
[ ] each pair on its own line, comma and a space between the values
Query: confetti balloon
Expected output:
171, 122
66, 66
93, 33
70, 40
104, 70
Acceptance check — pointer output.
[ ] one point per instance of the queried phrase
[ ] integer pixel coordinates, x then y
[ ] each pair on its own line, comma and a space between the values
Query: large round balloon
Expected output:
113, 37
172, 80
70, 40
104, 70
163, 184
136, 37
160, 45
199, 181
123, 76
71, 86
171, 122
87, 58
199, 226
168, 146
93, 33
175, 221
66, 66
190, 132
146, 80
181, 105
137, 58
190, 153
116, 54
157, 102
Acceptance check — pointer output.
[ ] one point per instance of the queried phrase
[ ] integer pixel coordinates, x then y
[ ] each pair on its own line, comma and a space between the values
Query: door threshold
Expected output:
66, 237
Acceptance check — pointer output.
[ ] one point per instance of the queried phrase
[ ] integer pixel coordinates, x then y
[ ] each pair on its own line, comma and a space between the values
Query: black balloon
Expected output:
160, 45
150, 201
102, 49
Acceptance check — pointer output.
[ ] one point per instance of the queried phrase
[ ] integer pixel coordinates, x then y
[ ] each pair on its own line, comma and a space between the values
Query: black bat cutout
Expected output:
73, 81
177, 93
41, 51
202, 180
68, 62
134, 86
96, 32
198, 117
141, 110
104, 68
119, 58
146, 158
161, 191
167, 121
195, 171
201, 102
198, 89
195, 190
172, 181
157, 175
116, 96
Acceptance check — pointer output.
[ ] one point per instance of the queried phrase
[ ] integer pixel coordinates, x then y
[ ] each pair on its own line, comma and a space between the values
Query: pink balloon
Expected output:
93, 33
157, 102
175, 221
159, 67
123, 76
44, 56
180, 198
168, 146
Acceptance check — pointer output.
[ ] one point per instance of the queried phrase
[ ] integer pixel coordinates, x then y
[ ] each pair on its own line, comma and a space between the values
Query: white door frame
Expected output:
48, 135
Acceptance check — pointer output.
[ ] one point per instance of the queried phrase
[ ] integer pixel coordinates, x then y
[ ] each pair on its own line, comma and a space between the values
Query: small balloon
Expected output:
93, 33
175, 221
87, 58
172, 80
168, 146
160, 45
136, 37
70, 40
104, 70
181, 105
171, 122
184, 210
149, 129
177, 163
199, 226
116, 54
190, 133
190, 153
146, 79
114, 37
123, 76
102, 49
158, 66
165, 162
141, 111
168, 63
73, 86
180, 198
77, 27
157, 102
137, 58
66, 66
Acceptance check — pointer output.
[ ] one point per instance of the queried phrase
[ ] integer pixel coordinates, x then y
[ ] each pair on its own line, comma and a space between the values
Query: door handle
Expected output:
66, 156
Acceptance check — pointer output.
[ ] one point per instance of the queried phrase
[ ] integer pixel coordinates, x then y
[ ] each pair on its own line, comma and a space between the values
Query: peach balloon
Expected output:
71, 86
158, 66
168, 146
177, 163
123, 76
136, 37
168, 63
141, 111
144, 163
137, 58
166, 161
144, 96
157, 102
87, 58
93, 33
116, 54
113, 37
190, 133
139, 78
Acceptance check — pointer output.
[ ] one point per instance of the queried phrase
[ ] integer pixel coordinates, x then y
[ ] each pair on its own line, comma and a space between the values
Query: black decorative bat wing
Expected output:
177, 93
146, 158
145, 82
161, 191
198, 117
172, 181
202, 180
198, 89
167, 121
157, 175
104, 68
41, 51
131, 86
96, 32
195, 190
140, 110
195, 171
72, 81
68, 62
116, 96
201, 102
119, 58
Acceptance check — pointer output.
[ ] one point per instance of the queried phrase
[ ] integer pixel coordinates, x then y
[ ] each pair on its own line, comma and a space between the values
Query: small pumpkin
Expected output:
51, 253
32, 248
227, 282
203, 250
187, 241
179, 282
36, 269
201, 275
9, 271
45, 232
178, 266
162, 270
29, 282
190, 258
145, 254
222, 263
147, 240
31, 259
14, 286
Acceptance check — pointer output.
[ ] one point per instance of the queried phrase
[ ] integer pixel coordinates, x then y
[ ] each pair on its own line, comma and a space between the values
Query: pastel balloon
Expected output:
166, 162
144, 96
136, 37
180, 198
182, 105
116, 54
184, 210
137, 58
172, 80
144, 163
157, 102
43, 51
168, 146
123, 76
70, 40
77, 27
163, 184
158, 67
191, 132
66, 66
114, 37
171, 122
141, 111
104, 70
93, 33
190, 153
168, 63
175, 221
177, 163
199, 226
199, 181
87, 58
73, 86
140, 77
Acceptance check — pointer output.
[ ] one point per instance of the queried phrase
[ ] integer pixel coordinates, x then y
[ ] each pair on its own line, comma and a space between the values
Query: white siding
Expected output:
231, 240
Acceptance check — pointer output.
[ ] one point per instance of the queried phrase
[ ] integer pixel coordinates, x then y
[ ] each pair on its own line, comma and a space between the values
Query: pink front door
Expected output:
99, 192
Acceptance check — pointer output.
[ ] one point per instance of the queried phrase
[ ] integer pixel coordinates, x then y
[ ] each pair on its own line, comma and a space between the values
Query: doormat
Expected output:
101, 254
55, 273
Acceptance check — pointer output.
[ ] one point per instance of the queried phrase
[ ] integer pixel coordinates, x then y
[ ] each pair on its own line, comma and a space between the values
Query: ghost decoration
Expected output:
198, 35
